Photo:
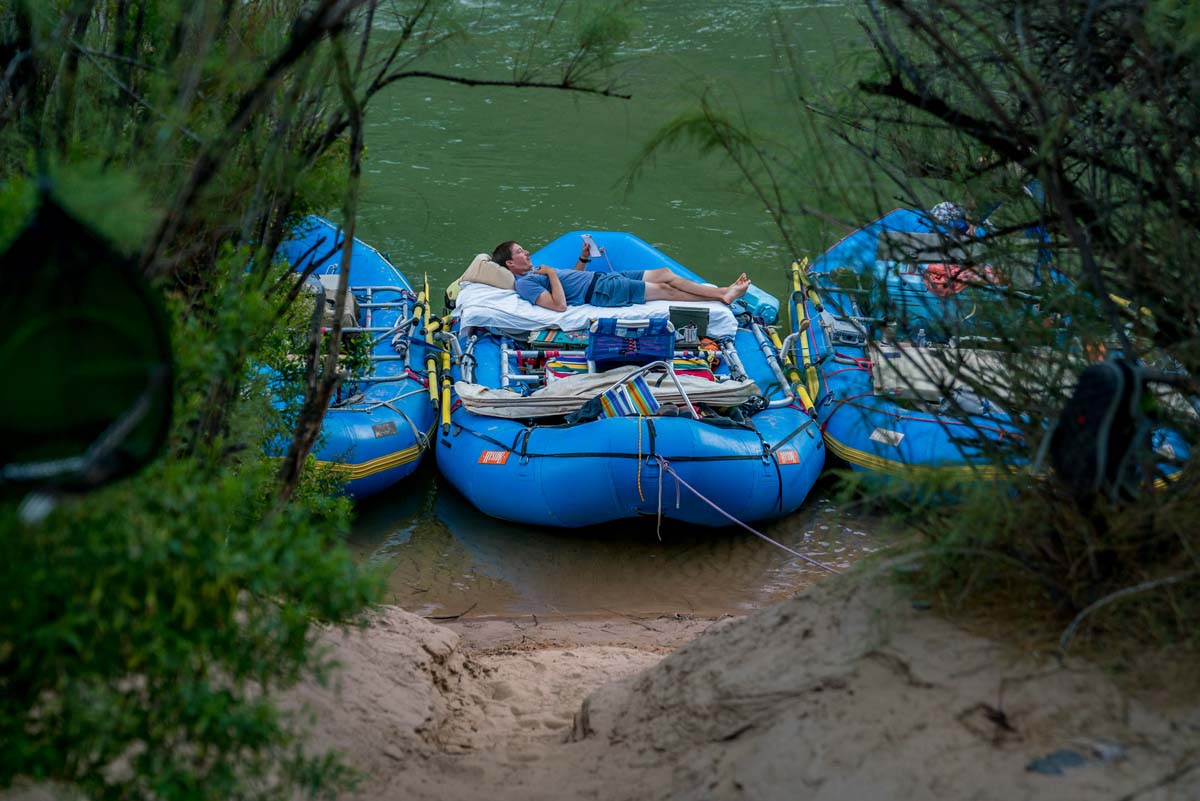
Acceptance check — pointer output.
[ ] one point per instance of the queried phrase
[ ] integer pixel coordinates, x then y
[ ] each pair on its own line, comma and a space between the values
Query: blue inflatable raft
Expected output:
841, 335
384, 421
669, 409
887, 345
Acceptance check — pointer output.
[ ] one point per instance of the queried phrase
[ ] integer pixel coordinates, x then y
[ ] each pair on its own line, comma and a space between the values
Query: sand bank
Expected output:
837, 694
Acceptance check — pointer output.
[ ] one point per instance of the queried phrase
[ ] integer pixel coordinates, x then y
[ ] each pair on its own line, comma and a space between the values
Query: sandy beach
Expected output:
844, 692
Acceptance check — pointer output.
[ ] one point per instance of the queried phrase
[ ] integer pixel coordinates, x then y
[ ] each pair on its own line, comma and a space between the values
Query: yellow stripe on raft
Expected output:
871, 461
380, 463
882, 464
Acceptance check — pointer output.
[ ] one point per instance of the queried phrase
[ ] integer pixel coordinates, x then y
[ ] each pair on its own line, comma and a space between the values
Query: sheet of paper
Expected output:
593, 251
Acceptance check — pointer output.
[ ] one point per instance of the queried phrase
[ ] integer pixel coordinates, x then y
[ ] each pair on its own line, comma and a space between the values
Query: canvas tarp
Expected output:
569, 394
905, 370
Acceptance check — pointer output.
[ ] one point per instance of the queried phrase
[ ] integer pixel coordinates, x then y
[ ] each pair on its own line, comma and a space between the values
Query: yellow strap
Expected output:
430, 358
445, 390
639, 460
800, 279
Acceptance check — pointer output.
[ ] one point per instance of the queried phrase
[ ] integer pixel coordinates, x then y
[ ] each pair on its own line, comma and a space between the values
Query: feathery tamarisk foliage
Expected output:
144, 629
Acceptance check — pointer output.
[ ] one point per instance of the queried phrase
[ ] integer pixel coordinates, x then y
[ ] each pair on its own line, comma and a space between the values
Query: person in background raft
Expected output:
557, 289
954, 217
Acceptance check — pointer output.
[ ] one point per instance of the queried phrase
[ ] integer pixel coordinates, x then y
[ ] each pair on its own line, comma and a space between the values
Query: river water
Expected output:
452, 170
442, 557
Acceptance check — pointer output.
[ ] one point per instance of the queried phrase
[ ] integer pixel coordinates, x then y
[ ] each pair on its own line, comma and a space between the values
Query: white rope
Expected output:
658, 528
665, 465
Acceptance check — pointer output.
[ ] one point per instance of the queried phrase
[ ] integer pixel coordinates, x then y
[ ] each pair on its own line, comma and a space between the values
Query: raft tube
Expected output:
385, 421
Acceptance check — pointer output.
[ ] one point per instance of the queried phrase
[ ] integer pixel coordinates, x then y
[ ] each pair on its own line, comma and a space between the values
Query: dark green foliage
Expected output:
145, 630
1094, 103
141, 625
1025, 555
1072, 128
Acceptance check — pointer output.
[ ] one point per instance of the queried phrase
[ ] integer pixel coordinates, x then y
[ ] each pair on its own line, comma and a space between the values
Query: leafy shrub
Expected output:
144, 628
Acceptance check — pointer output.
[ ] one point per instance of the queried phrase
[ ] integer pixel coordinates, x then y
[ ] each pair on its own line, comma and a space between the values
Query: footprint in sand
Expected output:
500, 690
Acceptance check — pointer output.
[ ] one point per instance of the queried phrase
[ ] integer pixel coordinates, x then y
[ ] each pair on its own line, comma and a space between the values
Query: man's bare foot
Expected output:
736, 289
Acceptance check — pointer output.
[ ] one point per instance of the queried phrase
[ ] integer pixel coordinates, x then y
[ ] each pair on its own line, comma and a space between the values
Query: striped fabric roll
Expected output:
565, 365
628, 399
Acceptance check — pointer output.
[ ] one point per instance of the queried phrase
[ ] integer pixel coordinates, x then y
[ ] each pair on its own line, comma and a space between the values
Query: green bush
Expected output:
144, 627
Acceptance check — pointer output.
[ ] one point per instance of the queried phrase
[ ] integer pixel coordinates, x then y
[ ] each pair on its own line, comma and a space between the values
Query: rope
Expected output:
848, 370
418, 435
369, 406
373, 405
658, 527
861, 361
665, 465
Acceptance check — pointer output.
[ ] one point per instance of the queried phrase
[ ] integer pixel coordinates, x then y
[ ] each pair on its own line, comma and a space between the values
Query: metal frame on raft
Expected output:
377, 430
779, 355
415, 310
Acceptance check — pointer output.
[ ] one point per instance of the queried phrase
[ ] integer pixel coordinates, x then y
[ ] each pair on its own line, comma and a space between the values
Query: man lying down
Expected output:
485, 297
557, 289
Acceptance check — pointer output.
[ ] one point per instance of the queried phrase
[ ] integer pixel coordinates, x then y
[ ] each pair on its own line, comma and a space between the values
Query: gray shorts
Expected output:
618, 289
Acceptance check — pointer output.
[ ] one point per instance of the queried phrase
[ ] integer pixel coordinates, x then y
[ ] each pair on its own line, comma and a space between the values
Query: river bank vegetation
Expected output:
1070, 131
145, 627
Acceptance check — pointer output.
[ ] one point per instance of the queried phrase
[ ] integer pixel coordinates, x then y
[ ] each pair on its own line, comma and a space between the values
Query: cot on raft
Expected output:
598, 414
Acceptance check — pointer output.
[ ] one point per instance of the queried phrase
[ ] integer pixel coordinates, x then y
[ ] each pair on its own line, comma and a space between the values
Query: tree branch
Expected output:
564, 85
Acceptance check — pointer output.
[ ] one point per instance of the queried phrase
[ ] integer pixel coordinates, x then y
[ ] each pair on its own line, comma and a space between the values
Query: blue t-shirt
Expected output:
575, 284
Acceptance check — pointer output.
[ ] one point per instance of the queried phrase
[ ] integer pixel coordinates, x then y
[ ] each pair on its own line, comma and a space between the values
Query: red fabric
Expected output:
945, 280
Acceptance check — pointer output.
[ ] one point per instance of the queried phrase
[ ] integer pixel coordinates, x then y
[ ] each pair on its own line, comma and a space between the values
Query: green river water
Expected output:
452, 171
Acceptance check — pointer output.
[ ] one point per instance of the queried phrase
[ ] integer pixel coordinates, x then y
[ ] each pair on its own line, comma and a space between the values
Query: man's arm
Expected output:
554, 299
584, 258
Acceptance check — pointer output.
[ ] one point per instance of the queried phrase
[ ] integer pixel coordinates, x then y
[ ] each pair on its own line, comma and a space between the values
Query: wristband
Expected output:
585, 261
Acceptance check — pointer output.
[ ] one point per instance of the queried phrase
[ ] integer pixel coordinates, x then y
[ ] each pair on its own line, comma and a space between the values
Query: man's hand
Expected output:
583, 258
555, 299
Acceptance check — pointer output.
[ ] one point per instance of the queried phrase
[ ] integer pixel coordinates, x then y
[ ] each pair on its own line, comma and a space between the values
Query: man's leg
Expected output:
725, 294
699, 291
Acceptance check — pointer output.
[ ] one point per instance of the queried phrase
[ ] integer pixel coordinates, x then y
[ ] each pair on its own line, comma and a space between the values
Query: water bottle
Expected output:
921, 341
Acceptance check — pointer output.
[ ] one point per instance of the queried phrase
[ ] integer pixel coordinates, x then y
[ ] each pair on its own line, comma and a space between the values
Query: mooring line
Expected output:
663, 464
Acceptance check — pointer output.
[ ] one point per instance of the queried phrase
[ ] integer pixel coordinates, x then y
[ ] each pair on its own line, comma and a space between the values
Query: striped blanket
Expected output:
565, 365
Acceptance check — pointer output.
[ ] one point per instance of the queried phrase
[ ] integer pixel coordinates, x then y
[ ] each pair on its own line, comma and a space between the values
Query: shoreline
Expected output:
845, 691
659, 633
